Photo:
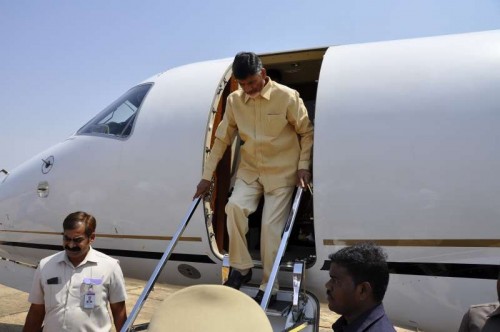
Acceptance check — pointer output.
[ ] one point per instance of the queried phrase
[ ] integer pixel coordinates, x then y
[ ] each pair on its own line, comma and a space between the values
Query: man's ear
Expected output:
92, 237
365, 291
263, 73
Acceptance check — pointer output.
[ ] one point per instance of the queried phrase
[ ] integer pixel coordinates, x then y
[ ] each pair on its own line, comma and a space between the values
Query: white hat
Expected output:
209, 308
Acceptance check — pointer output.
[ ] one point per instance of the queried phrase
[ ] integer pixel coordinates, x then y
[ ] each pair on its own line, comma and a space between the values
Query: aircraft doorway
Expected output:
300, 71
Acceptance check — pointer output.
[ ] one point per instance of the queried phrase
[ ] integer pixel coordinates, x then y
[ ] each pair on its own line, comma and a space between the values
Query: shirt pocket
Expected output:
274, 124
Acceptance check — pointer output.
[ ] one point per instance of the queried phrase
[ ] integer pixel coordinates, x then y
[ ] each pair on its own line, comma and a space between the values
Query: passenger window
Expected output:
117, 119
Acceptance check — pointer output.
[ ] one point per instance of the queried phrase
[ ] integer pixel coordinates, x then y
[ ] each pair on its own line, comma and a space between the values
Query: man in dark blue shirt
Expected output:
358, 280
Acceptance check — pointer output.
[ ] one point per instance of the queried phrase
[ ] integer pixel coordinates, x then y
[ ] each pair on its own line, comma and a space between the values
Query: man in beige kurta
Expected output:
277, 138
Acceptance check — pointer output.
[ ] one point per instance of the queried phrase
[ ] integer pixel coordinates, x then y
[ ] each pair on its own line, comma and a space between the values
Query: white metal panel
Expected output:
168, 151
434, 304
406, 139
406, 147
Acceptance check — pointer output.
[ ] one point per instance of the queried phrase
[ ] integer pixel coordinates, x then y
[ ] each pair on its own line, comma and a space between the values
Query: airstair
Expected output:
294, 310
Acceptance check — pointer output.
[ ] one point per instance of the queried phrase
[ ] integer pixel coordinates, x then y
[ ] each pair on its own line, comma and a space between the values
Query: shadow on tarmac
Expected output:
10, 327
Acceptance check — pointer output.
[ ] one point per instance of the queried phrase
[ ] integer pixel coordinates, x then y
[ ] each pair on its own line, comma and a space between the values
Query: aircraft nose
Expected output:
22, 194
11, 193
21, 208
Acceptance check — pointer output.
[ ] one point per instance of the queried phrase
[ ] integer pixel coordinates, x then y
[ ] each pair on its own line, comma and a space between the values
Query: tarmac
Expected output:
14, 306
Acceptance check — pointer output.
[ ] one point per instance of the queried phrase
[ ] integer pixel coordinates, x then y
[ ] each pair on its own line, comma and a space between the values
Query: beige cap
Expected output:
209, 308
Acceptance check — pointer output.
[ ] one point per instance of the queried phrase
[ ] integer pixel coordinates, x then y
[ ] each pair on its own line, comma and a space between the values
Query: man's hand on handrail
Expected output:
202, 188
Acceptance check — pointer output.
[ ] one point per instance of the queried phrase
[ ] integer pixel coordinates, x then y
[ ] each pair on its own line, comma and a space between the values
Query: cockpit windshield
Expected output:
117, 119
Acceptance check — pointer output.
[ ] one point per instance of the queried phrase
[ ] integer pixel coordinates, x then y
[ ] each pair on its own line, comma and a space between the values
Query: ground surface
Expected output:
14, 306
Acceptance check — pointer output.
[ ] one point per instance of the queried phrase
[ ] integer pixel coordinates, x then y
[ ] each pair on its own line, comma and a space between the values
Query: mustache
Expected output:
75, 249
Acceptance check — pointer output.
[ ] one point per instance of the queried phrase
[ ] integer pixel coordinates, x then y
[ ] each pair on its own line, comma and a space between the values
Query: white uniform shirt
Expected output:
61, 287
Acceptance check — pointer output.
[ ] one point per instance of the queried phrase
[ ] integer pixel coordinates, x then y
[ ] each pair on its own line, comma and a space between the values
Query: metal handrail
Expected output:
281, 251
159, 267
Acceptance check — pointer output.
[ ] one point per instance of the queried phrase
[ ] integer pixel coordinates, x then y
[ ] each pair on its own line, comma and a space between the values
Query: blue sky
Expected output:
61, 62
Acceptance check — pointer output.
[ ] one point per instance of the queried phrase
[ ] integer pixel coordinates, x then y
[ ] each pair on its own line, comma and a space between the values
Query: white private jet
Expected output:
406, 154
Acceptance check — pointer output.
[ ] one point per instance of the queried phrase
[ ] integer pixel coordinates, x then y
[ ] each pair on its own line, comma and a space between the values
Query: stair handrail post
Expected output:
281, 251
159, 267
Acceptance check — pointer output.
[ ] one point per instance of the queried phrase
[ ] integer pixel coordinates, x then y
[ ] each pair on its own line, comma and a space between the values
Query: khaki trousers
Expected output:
244, 201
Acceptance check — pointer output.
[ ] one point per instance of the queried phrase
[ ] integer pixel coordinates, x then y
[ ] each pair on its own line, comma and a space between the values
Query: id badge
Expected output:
91, 293
89, 298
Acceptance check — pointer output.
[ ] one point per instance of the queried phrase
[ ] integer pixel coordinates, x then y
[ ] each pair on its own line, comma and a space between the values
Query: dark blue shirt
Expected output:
373, 320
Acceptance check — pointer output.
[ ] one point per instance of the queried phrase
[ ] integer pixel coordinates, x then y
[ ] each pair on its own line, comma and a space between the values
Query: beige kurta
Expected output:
277, 138
276, 132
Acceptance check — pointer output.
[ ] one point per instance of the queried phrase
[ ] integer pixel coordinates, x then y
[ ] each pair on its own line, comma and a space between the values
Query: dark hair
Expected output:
365, 262
246, 64
72, 220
